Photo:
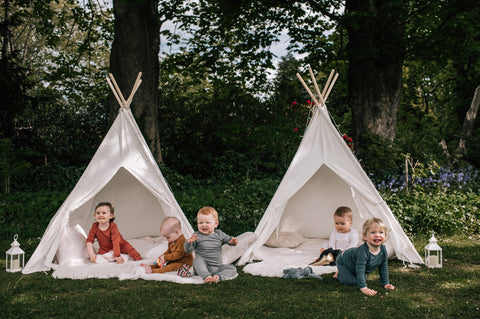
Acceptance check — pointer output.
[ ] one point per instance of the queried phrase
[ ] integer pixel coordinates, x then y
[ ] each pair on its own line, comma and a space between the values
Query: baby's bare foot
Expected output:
215, 279
336, 274
148, 269
208, 280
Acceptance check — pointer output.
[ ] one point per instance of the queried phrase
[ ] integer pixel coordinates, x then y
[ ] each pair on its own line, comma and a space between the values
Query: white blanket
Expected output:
274, 260
149, 248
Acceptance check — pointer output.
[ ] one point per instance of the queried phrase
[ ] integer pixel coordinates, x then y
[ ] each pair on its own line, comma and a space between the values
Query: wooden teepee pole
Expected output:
308, 90
328, 82
124, 103
114, 92
138, 81
331, 86
316, 86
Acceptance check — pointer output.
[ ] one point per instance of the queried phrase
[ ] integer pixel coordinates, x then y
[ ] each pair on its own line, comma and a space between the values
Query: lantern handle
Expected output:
15, 237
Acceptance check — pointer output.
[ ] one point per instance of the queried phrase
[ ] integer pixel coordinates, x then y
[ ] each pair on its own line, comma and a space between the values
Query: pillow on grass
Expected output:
285, 239
73, 246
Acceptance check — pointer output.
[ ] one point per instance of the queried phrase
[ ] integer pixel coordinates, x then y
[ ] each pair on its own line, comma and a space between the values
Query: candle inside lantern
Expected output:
433, 261
16, 264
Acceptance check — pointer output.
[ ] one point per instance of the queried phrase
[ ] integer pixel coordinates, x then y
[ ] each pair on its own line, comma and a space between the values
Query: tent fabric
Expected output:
122, 171
323, 175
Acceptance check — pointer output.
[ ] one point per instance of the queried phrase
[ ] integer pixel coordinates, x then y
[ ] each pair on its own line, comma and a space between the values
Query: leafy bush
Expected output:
240, 205
46, 177
28, 214
441, 179
445, 213
439, 199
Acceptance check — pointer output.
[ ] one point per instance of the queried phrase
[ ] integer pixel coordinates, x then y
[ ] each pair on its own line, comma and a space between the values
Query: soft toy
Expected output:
307, 272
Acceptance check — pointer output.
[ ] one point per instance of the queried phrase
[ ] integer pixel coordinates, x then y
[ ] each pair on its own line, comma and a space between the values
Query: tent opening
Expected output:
310, 210
137, 212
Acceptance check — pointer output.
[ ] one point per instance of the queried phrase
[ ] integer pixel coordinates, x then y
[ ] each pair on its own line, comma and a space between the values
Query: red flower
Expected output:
294, 103
349, 140
308, 102
345, 136
349, 145
296, 129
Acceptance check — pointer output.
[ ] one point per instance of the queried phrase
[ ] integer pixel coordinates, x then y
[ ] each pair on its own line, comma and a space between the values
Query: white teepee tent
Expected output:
122, 171
323, 175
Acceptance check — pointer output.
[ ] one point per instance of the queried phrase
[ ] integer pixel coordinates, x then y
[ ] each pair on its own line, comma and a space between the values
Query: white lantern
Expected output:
433, 254
15, 257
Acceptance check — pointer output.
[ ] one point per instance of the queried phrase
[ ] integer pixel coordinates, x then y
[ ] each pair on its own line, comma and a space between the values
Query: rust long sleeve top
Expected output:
108, 240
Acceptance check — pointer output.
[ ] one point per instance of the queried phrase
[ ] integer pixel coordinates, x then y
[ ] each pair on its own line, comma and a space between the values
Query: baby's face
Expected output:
103, 215
172, 237
342, 223
375, 236
206, 224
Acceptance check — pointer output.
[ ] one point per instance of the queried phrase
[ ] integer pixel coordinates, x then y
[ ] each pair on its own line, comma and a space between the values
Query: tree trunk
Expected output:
468, 124
376, 50
135, 48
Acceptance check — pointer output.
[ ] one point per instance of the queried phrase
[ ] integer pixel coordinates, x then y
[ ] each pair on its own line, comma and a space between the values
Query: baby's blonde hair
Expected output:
208, 211
344, 211
170, 224
373, 221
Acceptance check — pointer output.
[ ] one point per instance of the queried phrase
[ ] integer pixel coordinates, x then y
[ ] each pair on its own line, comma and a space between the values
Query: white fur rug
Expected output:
272, 261
149, 248
128, 271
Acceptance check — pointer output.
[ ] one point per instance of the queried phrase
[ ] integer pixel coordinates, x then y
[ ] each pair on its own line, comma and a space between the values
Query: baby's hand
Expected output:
93, 258
192, 239
389, 287
119, 260
233, 241
368, 292
161, 260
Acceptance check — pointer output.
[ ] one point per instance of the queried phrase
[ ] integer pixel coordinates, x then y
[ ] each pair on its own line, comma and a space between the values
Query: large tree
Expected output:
375, 45
376, 50
135, 49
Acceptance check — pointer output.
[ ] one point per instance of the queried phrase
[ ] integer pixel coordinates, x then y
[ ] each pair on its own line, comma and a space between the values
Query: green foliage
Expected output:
28, 214
445, 213
240, 205
221, 129
53, 60
378, 155
240, 201
10, 163
50, 177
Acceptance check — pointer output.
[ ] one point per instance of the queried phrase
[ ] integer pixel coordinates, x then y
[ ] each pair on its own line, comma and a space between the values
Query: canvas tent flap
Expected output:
323, 175
124, 172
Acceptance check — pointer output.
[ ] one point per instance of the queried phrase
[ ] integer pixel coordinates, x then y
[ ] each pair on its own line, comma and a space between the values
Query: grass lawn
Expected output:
450, 292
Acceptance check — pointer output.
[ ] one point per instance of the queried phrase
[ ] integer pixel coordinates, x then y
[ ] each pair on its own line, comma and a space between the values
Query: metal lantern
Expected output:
433, 253
15, 257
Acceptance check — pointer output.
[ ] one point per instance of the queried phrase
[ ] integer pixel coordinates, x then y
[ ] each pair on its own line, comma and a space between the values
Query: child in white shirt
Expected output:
341, 238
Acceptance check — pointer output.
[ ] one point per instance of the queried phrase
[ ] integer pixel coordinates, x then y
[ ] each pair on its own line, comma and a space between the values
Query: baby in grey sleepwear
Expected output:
207, 243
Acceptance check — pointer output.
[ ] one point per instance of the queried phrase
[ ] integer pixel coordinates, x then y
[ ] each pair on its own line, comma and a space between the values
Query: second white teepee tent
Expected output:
122, 171
323, 175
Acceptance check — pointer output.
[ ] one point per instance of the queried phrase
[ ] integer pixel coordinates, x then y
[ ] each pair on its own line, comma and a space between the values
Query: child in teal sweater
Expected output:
355, 263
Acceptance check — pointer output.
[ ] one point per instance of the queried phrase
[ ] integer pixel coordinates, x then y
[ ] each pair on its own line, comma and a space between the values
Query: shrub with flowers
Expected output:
348, 140
444, 200
444, 179
298, 114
